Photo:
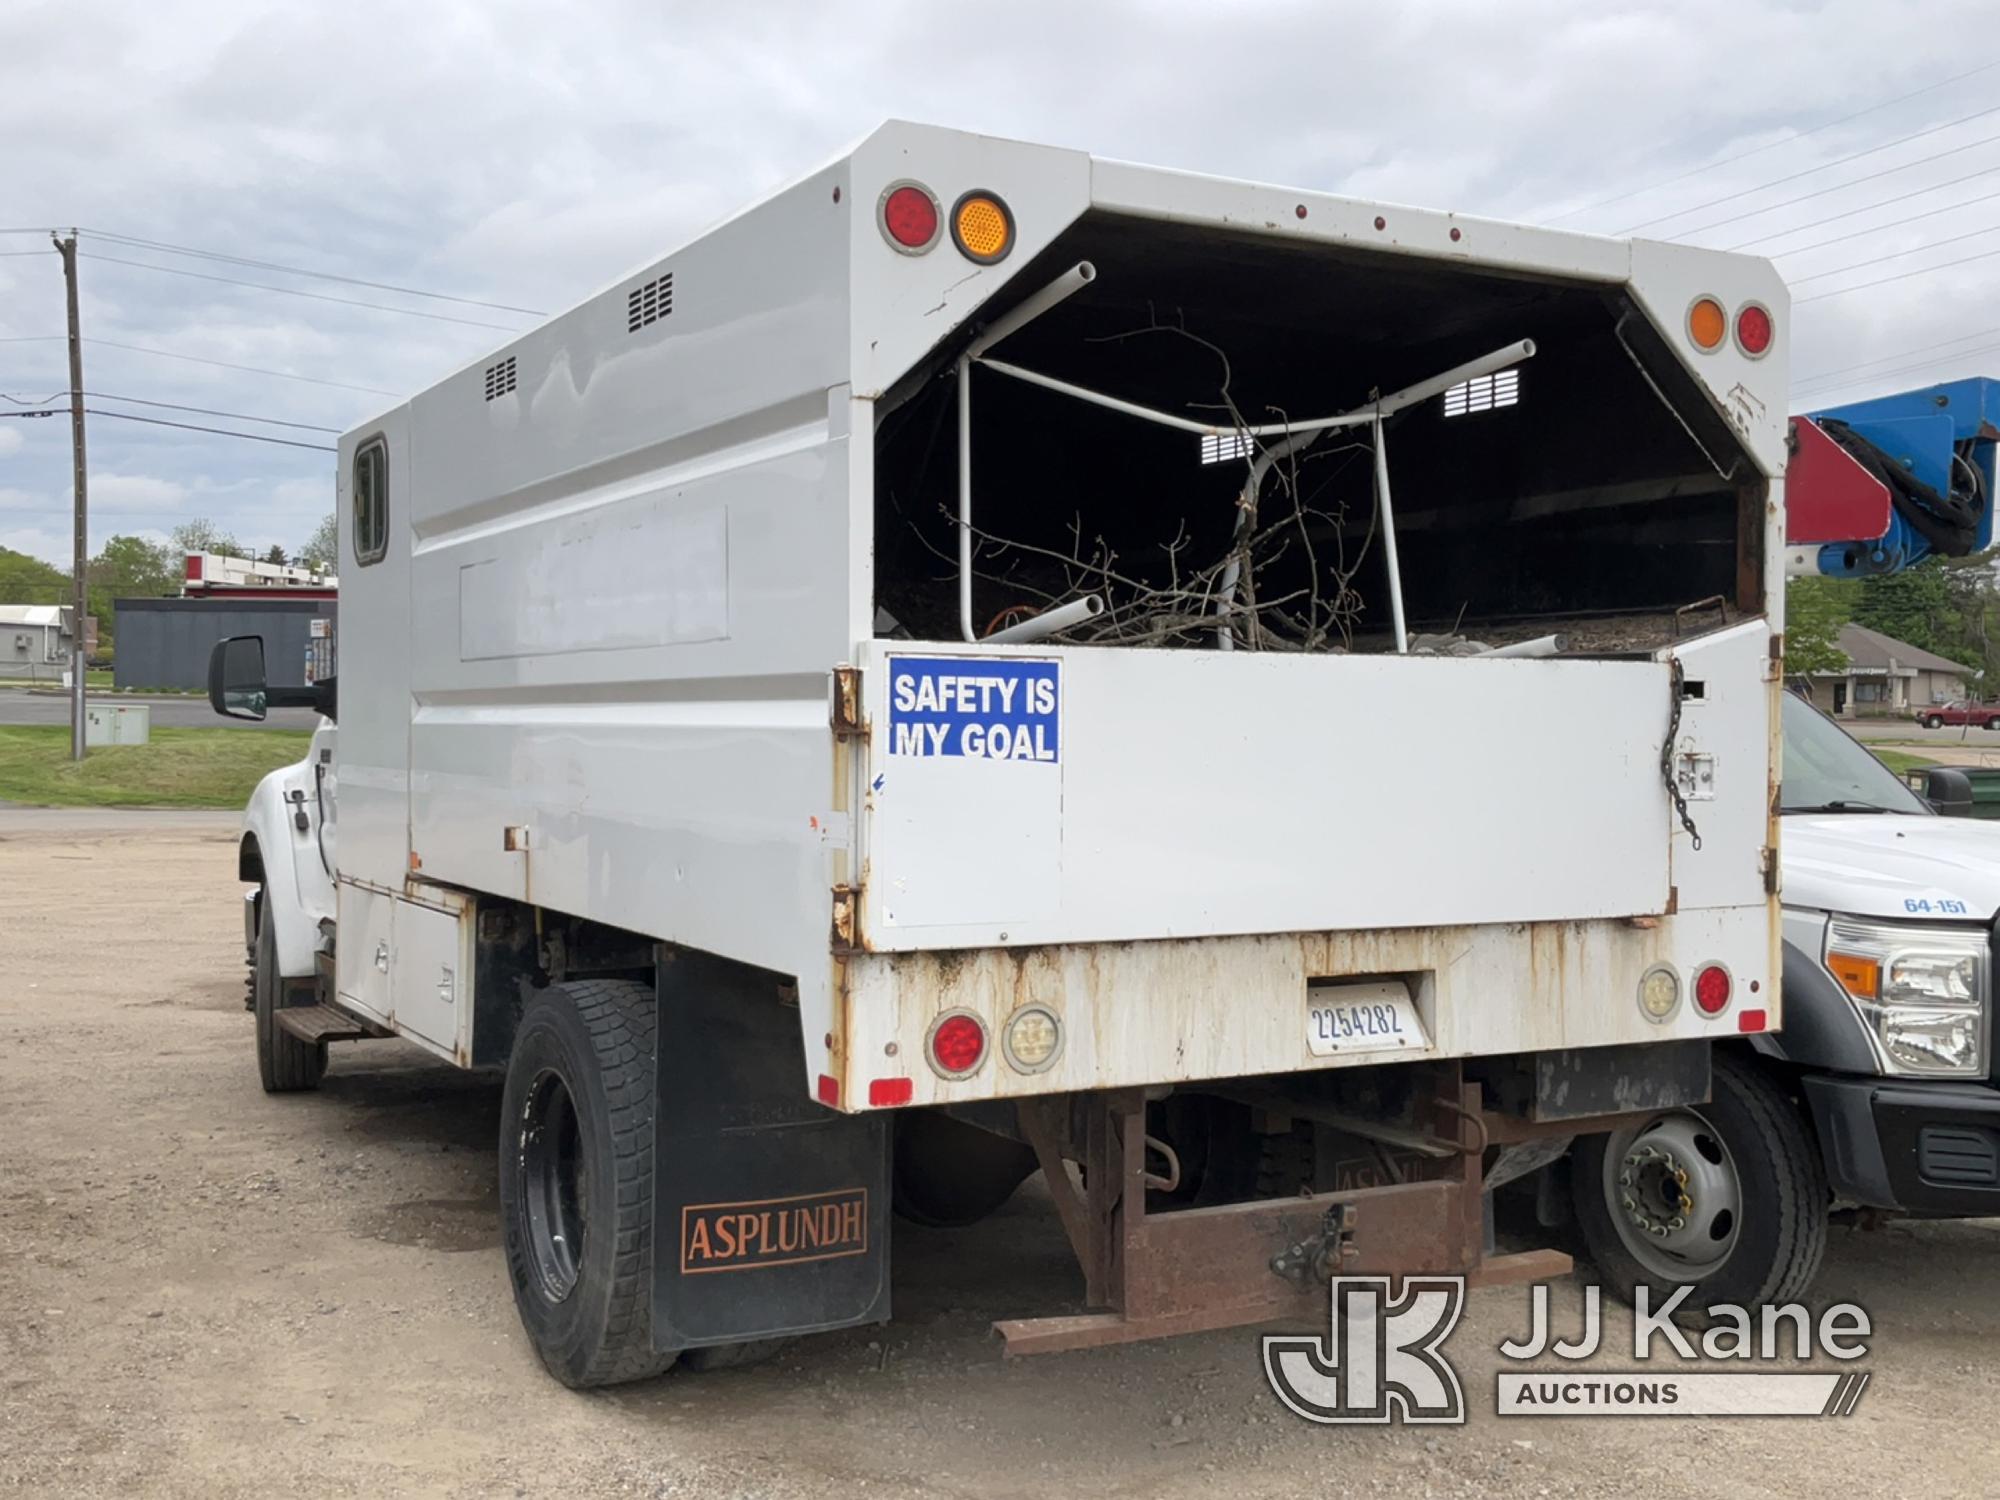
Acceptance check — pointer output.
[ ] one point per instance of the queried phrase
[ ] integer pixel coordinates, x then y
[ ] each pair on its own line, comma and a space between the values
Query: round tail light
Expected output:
1712, 988
910, 217
982, 227
1708, 324
1753, 329
957, 1044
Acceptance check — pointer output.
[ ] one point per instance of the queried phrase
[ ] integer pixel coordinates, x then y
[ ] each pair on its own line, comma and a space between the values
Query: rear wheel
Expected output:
1729, 1197
576, 1180
1993, 723
285, 1064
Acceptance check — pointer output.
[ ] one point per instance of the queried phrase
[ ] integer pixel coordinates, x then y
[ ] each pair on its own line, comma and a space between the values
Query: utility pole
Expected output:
66, 248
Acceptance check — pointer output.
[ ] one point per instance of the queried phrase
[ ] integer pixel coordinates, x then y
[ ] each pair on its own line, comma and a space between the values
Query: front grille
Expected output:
1955, 1156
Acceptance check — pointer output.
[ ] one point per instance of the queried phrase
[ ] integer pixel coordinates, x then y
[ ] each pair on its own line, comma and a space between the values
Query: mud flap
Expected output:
771, 1212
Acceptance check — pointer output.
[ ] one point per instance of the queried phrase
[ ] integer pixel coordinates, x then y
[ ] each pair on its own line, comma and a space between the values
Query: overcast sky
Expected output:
528, 153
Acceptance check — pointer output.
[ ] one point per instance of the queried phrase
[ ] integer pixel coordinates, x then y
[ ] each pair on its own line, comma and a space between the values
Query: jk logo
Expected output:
1379, 1362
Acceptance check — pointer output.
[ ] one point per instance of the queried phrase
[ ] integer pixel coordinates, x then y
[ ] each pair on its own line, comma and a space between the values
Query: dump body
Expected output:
619, 654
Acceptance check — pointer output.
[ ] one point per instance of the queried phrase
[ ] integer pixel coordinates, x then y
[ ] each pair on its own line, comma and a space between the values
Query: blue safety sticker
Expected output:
992, 709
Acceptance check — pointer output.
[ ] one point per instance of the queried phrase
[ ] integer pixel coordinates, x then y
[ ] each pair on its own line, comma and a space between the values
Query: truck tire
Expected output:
285, 1064
1729, 1197
1993, 723
949, 1174
576, 1180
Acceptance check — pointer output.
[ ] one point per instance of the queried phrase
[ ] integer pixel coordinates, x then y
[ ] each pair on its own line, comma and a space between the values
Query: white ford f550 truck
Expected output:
947, 674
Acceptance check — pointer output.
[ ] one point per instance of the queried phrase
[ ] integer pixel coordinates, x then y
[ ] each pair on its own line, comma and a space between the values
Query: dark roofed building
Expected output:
1886, 677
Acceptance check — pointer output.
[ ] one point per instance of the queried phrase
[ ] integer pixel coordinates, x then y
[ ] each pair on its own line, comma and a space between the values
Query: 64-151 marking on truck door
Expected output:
999, 708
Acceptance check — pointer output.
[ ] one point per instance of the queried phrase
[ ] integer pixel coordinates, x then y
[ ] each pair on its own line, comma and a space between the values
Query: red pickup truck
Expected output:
1936, 715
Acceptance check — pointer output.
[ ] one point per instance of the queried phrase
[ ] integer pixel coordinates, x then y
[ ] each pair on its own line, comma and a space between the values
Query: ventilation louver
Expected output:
649, 303
500, 378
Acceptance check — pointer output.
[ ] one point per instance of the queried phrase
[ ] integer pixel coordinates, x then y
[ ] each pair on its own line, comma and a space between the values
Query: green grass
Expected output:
97, 677
1900, 761
180, 768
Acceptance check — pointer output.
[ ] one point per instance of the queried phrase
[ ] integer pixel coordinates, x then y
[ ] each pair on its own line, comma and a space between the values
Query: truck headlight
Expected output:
1921, 991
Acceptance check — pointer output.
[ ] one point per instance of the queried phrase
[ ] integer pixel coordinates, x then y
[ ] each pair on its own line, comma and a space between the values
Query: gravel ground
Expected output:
209, 1292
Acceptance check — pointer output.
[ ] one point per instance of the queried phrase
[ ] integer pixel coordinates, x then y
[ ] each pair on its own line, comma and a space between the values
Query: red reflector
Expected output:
194, 567
1753, 329
1752, 1020
910, 217
829, 1090
888, 1091
1711, 989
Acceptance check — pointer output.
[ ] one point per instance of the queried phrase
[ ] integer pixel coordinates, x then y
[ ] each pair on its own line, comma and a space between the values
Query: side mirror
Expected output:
236, 686
1949, 791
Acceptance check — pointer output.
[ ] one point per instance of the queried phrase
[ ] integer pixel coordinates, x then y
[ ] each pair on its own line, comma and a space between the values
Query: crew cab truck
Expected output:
1880, 1094
915, 686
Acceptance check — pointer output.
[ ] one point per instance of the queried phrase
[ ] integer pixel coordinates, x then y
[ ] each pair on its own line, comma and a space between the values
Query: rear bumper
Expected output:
1921, 1147
1183, 1011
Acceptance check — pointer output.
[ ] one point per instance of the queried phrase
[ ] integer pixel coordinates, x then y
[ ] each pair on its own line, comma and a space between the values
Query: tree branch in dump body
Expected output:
1315, 608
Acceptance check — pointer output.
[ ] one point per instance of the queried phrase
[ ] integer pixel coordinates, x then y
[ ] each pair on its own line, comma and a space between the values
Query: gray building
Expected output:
34, 642
1886, 678
164, 643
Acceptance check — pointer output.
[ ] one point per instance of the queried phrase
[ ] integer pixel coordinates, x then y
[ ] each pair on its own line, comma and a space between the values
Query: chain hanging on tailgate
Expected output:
1667, 753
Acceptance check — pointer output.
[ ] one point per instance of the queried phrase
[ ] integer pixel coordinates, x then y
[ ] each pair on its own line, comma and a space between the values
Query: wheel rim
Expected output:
1675, 1196
554, 1198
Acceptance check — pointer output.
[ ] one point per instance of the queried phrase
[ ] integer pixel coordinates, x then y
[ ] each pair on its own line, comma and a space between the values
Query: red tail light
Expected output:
1712, 987
1754, 329
958, 1044
910, 217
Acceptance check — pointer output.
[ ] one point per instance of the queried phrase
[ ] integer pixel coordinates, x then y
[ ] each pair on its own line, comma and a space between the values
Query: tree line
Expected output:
1947, 605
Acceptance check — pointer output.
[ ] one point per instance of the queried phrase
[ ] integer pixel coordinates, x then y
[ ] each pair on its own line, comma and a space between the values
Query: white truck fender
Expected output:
272, 850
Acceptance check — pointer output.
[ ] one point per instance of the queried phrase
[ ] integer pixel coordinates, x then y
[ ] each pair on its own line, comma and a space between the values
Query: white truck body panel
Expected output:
592, 674
1165, 813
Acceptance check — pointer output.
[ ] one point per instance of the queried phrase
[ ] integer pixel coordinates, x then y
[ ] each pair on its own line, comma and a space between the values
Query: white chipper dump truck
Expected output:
945, 675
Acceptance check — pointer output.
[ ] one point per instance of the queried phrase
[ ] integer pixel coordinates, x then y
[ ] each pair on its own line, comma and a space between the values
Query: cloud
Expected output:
11, 440
500, 151
130, 493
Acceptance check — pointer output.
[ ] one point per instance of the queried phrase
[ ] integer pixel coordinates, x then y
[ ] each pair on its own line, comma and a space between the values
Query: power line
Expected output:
339, 385
1820, 375
292, 291
1838, 187
1901, 140
1821, 387
268, 265
1779, 234
1841, 239
254, 437
1859, 265
204, 411
221, 433
1800, 135
1903, 276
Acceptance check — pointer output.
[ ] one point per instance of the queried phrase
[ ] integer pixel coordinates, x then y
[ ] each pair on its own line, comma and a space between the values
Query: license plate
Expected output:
1348, 1018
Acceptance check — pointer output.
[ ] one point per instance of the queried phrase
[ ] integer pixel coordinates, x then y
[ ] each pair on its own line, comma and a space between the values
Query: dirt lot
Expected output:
204, 1291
